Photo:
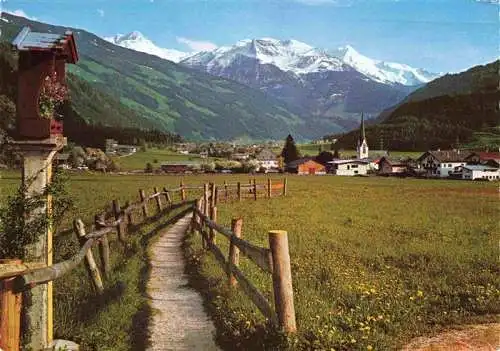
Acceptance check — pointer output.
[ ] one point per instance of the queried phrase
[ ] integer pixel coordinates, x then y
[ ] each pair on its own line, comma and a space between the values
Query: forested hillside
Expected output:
175, 98
95, 104
458, 110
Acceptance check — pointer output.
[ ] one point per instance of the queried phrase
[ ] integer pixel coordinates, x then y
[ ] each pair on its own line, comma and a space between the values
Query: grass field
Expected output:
140, 159
375, 262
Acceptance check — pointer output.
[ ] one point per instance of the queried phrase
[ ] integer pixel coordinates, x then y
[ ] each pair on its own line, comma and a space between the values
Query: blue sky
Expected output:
438, 35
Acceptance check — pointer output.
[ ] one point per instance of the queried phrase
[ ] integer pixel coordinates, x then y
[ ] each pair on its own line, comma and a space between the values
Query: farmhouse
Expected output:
305, 166
441, 164
474, 172
388, 167
349, 167
267, 159
476, 158
179, 166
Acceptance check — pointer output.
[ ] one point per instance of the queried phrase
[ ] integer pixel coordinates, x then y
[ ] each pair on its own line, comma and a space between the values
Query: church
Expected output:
362, 146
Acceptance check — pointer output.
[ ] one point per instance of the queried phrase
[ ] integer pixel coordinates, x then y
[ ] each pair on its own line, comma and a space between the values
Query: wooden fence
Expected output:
16, 277
274, 260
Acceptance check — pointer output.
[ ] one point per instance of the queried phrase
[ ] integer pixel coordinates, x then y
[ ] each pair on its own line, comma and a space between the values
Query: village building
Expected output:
441, 164
240, 156
387, 166
305, 166
362, 146
474, 172
179, 166
62, 161
267, 160
112, 147
476, 158
349, 167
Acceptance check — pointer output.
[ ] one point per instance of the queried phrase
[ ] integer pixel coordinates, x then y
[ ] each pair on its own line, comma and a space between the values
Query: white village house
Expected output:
441, 164
349, 167
267, 159
473, 172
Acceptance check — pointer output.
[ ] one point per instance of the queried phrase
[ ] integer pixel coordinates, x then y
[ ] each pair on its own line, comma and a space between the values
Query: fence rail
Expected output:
17, 277
274, 260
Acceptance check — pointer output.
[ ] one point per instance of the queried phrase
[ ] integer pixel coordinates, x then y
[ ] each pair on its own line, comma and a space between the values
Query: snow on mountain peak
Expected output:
288, 55
383, 72
137, 41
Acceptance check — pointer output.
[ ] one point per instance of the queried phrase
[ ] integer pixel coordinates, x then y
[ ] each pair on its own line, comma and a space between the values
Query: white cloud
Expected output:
20, 13
100, 12
494, 2
197, 45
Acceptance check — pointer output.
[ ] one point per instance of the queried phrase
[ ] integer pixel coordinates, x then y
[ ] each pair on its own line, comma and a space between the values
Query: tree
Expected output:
149, 168
336, 154
290, 152
324, 157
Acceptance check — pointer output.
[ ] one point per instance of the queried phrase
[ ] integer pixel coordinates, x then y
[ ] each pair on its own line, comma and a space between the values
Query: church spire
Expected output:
362, 135
362, 143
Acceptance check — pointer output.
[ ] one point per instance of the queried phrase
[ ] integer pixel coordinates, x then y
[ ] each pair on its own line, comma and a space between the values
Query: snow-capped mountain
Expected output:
384, 72
287, 55
300, 58
138, 42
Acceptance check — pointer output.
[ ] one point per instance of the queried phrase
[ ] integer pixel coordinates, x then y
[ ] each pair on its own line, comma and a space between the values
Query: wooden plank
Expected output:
260, 256
254, 294
35, 277
92, 268
10, 315
9, 270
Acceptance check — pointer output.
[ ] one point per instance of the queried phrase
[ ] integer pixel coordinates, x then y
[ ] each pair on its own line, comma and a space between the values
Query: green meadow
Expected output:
375, 262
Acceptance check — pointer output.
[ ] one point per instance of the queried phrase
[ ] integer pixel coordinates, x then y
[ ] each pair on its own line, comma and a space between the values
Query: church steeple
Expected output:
362, 147
362, 135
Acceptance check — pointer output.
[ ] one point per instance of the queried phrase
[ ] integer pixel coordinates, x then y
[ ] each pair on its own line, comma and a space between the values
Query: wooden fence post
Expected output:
79, 228
205, 199
183, 191
194, 219
234, 252
254, 189
213, 199
10, 313
120, 228
284, 186
103, 244
167, 196
130, 220
213, 217
239, 191
282, 280
269, 184
226, 195
159, 205
216, 195
142, 195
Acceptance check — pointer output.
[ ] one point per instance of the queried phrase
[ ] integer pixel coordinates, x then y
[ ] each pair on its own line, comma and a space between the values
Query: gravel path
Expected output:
179, 320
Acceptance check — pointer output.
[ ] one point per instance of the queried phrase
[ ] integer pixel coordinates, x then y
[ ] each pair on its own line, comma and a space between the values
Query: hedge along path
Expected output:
179, 319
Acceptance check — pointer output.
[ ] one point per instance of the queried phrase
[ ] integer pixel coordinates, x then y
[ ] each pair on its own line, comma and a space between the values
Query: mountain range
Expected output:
326, 87
287, 55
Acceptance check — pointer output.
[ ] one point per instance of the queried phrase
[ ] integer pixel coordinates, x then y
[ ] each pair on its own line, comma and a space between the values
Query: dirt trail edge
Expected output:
179, 320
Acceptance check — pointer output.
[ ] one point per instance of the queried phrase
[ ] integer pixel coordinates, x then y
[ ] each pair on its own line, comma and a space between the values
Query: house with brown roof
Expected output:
477, 158
387, 166
305, 166
441, 164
